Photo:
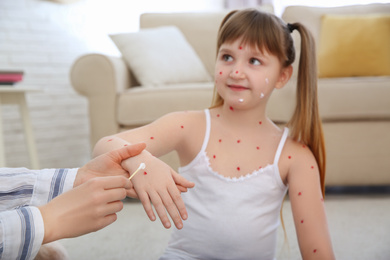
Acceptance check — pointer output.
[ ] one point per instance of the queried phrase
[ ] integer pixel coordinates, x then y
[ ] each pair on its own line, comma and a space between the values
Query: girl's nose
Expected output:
237, 74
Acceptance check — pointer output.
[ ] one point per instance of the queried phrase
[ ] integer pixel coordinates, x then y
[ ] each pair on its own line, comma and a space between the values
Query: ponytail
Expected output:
306, 123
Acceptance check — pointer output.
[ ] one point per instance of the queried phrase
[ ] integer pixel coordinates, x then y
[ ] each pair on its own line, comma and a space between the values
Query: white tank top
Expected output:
229, 218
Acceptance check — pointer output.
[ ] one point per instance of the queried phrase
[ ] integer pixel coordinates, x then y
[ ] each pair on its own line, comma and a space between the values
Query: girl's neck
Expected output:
246, 118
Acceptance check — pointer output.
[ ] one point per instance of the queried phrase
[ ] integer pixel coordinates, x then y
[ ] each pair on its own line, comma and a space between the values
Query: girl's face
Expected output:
245, 76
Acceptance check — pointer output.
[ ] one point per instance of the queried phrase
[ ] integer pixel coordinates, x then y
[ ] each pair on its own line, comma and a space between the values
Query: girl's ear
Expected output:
284, 77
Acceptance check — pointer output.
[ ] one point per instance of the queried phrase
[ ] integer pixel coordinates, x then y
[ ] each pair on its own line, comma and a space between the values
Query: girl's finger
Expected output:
160, 209
144, 198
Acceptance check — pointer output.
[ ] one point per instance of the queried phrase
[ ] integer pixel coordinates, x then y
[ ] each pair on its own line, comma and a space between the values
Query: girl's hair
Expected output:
269, 33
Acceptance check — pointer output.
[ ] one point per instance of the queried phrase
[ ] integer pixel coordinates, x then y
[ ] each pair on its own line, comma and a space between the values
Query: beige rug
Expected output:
359, 226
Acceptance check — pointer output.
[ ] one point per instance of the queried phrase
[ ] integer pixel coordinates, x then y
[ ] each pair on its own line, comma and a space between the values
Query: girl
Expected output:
241, 163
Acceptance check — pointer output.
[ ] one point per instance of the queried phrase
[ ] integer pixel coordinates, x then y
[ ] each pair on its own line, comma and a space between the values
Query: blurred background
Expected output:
43, 38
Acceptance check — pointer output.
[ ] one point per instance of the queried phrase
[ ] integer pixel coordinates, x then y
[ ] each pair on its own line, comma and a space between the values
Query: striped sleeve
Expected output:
21, 233
21, 224
24, 187
60, 180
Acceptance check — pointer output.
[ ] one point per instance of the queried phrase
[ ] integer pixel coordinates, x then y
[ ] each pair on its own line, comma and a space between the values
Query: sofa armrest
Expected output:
100, 78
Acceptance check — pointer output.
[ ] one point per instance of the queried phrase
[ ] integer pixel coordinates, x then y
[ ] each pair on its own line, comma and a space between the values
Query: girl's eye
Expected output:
227, 57
254, 61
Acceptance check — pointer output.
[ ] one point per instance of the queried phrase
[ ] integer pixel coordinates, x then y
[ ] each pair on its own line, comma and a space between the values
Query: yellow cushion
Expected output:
354, 45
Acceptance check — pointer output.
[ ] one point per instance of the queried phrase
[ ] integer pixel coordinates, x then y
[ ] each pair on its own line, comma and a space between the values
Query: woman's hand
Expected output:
160, 185
87, 208
108, 164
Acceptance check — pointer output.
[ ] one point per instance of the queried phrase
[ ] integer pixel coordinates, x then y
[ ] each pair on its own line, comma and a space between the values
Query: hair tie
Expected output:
291, 27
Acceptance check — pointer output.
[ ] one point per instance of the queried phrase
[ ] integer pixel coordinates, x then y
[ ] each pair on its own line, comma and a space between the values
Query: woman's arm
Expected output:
157, 182
308, 205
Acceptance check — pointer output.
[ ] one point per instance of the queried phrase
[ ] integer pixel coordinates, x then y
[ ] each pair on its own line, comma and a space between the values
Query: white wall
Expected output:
43, 39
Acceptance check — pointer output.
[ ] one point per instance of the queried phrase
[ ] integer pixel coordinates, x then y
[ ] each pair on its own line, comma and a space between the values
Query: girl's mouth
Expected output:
237, 87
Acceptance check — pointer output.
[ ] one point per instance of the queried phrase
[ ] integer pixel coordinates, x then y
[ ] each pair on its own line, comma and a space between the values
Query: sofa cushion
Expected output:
340, 99
311, 17
354, 45
160, 56
140, 105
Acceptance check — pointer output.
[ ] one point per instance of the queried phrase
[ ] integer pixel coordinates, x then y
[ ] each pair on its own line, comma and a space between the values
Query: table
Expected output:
16, 95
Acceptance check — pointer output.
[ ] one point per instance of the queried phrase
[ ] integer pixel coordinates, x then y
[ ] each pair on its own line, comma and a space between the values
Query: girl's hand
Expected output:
160, 185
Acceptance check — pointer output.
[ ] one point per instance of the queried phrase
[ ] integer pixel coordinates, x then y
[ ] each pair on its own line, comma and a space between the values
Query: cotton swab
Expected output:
140, 167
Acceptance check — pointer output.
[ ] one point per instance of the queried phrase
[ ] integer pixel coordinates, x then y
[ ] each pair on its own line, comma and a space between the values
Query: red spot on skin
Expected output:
151, 137
304, 146
214, 156
260, 167
258, 148
220, 140
231, 108
302, 221
312, 167
240, 47
109, 140
238, 168
315, 251
145, 173
300, 193
322, 199
289, 157
236, 71
125, 145
238, 141
220, 73
182, 126
260, 122
218, 115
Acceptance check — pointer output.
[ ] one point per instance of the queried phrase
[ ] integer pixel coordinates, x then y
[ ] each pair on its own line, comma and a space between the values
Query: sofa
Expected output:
355, 108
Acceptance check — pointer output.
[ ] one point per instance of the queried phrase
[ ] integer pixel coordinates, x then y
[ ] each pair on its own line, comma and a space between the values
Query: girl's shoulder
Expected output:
296, 157
296, 148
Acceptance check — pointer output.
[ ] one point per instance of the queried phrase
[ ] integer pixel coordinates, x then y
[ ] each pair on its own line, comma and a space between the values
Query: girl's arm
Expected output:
155, 184
308, 205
